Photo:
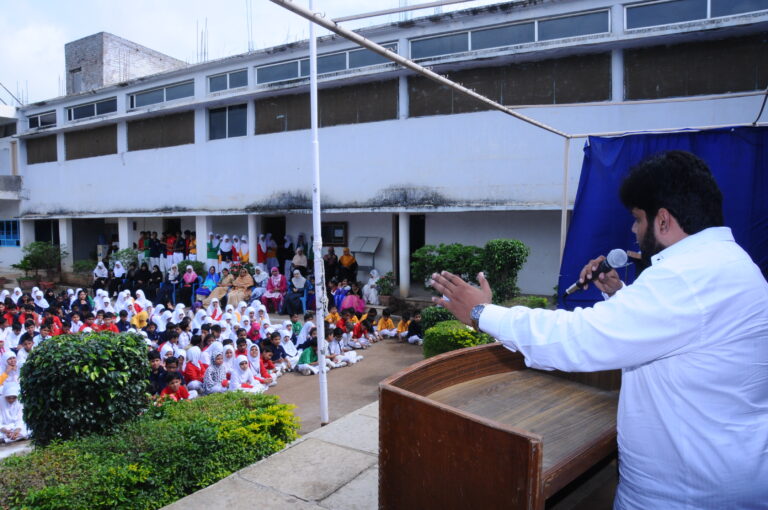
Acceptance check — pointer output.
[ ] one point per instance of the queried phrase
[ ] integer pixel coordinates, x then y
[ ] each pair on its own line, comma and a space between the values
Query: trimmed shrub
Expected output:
503, 260
84, 266
74, 385
431, 315
154, 460
452, 335
197, 266
465, 261
126, 257
536, 302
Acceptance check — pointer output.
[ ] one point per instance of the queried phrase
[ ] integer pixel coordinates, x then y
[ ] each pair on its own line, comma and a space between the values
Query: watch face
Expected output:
476, 311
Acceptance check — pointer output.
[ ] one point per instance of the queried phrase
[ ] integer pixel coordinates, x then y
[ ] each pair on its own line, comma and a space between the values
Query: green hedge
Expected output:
431, 315
504, 258
74, 385
451, 335
152, 461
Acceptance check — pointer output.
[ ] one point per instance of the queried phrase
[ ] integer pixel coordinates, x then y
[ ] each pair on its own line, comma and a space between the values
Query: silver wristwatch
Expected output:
475, 315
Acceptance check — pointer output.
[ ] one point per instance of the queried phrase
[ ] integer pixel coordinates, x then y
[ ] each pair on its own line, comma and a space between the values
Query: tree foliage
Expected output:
451, 335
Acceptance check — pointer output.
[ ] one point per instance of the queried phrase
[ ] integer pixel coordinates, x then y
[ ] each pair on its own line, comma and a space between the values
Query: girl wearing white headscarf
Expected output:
271, 253
194, 372
292, 353
119, 270
17, 295
225, 252
4, 295
162, 320
245, 251
229, 359
240, 311
40, 302
371, 289
215, 378
12, 426
242, 377
235, 249
10, 368
121, 302
287, 253
142, 300
100, 275
260, 277
261, 249
214, 311
107, 305
197, 321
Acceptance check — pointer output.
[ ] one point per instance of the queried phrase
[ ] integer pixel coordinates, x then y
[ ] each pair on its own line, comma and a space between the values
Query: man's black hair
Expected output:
679, 182
123, 313
153, 355
170, 376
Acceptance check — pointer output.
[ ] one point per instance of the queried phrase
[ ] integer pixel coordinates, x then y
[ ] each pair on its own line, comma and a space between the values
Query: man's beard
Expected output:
649, 246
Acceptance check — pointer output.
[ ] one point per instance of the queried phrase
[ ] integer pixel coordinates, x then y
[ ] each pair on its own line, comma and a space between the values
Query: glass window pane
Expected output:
362, 58
82, 112
179, 91
217, 83
108, 106
217, 123
729, 7
503, 36
34, 122
571, 26
666, 12
48, 119
151, 97
443, 45
277, 72
326, 64
236, 121
238, 79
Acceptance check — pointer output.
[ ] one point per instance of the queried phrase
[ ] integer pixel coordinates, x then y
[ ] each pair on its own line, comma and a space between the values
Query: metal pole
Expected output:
564, 205
317, 244
388, 54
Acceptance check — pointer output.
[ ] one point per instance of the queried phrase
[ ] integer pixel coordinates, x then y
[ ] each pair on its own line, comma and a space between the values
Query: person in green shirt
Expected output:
308, 361
212, 251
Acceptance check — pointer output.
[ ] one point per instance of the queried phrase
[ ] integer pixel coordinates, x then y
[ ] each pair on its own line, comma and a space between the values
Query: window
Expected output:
161, 95
503, 36
41, 150
42, 120
88, 143
333, 62
227, 122
334, 233
164, 131
572, 26
442, 45
226, 81
730, 7
84, 111
664, 13
9, 233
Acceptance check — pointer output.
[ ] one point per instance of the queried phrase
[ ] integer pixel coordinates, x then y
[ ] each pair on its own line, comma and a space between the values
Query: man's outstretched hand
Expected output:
462, 297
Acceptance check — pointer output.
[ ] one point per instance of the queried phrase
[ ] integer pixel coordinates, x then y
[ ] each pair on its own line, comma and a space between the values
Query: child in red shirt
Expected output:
173, 387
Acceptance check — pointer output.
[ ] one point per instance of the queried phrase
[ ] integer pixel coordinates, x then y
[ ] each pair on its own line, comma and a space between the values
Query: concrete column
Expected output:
617, 75
66, 239
122, 137
26, 232
250, 119
404, 222
123, 233
202, 227
253, 234
403, 100
201, 125
61, 154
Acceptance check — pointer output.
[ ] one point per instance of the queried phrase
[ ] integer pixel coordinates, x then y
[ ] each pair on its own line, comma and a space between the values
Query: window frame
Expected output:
39, 116
228, 74
433, 36
504, 25
627, 7
573, 15
226, 122
70, 109
164, 88
331, 240
7, 238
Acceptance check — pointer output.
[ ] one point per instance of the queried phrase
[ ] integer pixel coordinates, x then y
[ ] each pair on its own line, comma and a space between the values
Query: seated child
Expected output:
386, 327
309, 323
361, 336
174, 389
156, 373
243, 379
308, 361
266, 375
292, 353
333, 315
341, 354
194, 371
402, 327
12, 426
415, 331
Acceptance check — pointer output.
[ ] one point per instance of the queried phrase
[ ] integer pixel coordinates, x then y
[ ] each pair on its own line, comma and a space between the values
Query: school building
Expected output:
142, 141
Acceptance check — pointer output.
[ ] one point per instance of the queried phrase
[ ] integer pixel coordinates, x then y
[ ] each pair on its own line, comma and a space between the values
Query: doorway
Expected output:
172, 225
274, 225
418, 234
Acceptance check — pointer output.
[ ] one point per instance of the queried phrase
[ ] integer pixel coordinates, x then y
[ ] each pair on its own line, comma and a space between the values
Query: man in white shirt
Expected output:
690, 335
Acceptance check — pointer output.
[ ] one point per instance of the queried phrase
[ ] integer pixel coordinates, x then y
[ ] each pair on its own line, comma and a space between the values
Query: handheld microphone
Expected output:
616, 259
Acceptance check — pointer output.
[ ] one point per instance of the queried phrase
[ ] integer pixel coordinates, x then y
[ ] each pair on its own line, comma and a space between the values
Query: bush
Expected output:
153, 460
432, 315
41, 255
74, 385
459, 259
451, 335
84, 266
126, 257
386, 284
197, 266
536, 302
503, 260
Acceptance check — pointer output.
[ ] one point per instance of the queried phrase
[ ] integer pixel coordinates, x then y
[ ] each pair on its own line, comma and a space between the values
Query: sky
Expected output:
33, 32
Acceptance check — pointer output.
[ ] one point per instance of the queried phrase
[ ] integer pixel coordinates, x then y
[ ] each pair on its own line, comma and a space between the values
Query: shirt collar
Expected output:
693, 242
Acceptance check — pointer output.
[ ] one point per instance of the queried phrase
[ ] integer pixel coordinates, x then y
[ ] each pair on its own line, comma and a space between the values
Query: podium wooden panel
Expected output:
477, 427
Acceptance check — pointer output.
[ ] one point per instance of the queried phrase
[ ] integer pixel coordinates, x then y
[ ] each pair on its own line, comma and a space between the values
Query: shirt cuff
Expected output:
606, 296
492, 320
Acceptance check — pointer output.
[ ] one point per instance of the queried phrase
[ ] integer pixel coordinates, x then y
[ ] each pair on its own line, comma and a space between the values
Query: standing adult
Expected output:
212, 251
285, 255
690, 335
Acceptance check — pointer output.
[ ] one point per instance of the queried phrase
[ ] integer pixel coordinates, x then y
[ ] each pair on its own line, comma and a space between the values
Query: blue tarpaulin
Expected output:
738, 158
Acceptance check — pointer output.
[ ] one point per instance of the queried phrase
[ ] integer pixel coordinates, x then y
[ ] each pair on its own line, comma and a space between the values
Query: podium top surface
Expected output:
566, 414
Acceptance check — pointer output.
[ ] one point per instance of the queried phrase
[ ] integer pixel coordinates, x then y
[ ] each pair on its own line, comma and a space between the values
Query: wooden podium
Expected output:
476, 428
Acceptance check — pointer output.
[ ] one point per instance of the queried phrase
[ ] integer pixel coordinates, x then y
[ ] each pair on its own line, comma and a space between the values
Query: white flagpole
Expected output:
321, 296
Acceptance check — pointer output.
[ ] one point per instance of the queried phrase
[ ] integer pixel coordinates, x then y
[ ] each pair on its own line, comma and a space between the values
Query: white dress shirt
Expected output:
691, 337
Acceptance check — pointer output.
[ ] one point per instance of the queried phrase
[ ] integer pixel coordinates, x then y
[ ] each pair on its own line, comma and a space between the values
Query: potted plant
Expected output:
40, 256
27, 281
386, 285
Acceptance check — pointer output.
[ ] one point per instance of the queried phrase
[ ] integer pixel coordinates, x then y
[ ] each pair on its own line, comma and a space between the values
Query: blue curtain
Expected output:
738, 158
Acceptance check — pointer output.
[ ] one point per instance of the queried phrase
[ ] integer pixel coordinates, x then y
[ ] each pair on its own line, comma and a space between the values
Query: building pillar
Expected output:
123, 233
404, 242
201, 128
202, 228
66, 240
26, 232
403, 100
617, 75
253, 234
250, 119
